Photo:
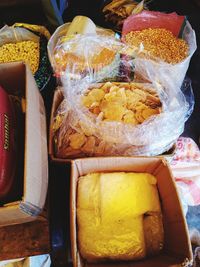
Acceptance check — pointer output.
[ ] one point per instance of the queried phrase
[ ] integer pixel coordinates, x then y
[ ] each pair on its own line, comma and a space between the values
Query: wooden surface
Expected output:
24, 240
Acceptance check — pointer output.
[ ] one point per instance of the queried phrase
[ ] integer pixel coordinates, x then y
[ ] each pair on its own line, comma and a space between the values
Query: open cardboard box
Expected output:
177, 248
57, 99
17, 79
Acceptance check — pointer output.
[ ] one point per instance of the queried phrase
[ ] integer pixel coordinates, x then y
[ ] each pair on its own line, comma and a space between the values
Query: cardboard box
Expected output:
57, 99
18, 80
177, 248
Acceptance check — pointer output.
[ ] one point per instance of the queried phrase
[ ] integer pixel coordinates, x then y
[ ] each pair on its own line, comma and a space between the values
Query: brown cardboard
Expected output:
177, 247
57, 99
17, 78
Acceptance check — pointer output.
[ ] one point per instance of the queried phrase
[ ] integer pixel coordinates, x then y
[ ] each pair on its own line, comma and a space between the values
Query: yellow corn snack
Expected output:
27, 51
110, 214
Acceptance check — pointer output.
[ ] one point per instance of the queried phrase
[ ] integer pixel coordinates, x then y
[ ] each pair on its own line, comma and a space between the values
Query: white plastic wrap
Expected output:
104, 138
16, 34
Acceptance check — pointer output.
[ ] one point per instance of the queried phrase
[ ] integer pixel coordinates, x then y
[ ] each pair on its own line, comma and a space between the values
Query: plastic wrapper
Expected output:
169, 75
60, 37
78, 132
185, 166
15, 34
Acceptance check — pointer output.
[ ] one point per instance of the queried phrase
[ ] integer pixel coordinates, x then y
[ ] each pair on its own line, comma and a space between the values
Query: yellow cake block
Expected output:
110, 209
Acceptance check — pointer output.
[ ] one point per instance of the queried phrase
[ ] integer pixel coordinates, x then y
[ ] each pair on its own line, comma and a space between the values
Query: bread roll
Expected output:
110, 208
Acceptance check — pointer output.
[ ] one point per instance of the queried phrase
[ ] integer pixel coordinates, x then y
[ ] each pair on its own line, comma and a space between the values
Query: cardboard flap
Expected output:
13, 215
108, 164
36, 159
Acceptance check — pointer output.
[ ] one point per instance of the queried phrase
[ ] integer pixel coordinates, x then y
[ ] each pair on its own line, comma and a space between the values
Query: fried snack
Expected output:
78, 64
128, 103
124, 102
159, 43
27, 51
110, 213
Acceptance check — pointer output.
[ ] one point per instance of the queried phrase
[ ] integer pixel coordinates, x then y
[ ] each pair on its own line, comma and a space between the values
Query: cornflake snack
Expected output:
129, 104
159, 43
123, 102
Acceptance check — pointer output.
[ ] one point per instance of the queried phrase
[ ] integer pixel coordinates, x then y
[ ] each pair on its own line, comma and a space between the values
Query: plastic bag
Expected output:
169, 75
185, 167
15, 34
60, 35
89, 133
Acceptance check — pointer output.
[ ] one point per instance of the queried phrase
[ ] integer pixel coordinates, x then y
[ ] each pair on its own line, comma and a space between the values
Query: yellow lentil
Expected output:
159, 43
27, 51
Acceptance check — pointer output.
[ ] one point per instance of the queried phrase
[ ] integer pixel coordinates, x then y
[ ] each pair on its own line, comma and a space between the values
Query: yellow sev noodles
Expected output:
159, 43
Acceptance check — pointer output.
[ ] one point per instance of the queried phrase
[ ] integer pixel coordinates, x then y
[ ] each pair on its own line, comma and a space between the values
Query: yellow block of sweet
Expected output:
110, 208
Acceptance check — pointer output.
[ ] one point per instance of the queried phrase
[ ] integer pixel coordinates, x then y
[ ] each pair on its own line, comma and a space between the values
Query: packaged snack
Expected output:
115, 117
27, 43
159, 54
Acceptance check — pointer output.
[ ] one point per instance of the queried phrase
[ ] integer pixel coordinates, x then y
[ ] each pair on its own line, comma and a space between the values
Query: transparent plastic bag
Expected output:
89, 133
60, 36
16, 34
169, 75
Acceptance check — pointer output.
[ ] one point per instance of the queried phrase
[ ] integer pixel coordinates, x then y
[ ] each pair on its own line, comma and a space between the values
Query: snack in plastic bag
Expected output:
85, 55
19, 44
116, 118
153, 19
160, 56
80, 132
59, 55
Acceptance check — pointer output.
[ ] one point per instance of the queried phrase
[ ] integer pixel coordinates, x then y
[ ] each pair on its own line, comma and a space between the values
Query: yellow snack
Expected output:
146, 113
27, 51
117, 102
89, 145
110, 208
77, 140
129, 117
159, 43
112, 111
